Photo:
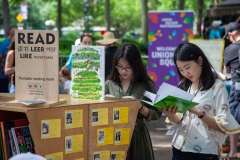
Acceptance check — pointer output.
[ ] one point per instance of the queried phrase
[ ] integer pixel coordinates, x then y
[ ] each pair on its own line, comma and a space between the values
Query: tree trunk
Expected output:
199, 16
180, 4
107, 11
145, 20
59, 18
6, 17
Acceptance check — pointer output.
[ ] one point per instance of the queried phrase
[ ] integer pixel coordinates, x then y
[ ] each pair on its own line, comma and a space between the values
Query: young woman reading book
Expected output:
202, 129
129, 78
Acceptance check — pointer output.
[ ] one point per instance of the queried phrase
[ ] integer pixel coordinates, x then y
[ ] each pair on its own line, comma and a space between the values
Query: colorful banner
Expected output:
166, 30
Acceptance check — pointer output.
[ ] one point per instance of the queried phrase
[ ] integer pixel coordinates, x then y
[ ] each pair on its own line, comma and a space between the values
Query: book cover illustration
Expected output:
88, 72
23, 139
5, 127
169, 95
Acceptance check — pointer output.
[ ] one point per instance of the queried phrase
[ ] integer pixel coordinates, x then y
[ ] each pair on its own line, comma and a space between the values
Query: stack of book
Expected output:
15, 138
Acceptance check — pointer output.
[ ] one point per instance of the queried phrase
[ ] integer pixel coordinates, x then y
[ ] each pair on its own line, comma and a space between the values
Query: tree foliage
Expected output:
125, 14
38, 12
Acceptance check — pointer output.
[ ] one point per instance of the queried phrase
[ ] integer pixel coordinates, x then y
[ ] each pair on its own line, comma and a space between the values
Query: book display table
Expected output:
79, 129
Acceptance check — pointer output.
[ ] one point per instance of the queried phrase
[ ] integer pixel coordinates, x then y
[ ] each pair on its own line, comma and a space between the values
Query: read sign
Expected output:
36, 65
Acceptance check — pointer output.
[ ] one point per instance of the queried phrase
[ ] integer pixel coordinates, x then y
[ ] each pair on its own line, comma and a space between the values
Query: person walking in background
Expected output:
216, 31
109, 41
84, 40
4, 82
129, 77
10, 65
201, 130
231, 63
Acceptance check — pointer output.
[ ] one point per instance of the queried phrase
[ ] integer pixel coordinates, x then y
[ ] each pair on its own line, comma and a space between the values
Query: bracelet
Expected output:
140, 109
202, 114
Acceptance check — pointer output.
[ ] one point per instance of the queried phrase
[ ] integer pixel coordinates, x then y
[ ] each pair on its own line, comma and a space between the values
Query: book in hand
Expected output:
169, 95
110, 97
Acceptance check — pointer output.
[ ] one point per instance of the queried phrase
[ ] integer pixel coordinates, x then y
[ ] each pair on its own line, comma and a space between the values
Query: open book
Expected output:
109, 97
169, 95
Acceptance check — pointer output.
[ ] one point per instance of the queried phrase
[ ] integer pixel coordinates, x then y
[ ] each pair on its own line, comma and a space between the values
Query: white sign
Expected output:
36, 69
213, 49
88, 72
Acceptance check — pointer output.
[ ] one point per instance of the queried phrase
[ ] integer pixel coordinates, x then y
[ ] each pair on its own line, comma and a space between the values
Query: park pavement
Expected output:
162, 144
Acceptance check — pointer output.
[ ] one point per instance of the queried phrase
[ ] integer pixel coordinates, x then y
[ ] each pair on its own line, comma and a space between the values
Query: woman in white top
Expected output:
202, 130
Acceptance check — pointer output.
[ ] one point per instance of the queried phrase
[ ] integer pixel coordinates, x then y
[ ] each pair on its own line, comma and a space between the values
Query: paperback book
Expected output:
22, 139
169, 95
88, 72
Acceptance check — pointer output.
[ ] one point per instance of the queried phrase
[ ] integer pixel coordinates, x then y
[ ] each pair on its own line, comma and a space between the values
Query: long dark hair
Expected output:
132, 55
191, 52
12, 44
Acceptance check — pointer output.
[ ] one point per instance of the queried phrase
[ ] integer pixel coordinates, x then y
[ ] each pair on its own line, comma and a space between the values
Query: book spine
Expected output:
28, 139
11, 142
4, 141
15, 140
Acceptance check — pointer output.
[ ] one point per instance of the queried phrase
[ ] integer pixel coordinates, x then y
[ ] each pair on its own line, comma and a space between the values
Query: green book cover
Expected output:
182, 104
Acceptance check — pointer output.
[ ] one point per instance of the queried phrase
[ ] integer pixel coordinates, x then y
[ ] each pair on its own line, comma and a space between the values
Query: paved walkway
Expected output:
162, 144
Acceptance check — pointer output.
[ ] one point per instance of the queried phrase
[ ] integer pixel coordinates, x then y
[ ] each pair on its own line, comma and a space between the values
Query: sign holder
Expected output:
36, 67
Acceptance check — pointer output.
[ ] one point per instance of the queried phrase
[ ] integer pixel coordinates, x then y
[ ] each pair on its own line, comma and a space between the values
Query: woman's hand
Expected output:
170, 112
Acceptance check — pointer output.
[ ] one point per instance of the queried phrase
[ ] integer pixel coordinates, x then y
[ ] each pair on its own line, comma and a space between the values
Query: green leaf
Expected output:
188, 20
150, 34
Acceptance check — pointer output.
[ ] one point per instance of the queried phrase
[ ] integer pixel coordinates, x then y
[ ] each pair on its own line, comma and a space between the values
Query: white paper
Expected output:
167, 89
32, 101
150, 95
109, 96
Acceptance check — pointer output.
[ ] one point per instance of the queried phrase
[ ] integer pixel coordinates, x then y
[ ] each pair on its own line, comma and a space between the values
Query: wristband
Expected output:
202, 114
140, 109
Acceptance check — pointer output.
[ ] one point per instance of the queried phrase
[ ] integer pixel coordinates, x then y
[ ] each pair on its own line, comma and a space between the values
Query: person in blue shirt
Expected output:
4, 79
216, 31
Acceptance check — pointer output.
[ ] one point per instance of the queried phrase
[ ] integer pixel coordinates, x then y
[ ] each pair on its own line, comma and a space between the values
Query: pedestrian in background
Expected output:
4, 79
231, 63
217, 30
10, 65
109, 41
